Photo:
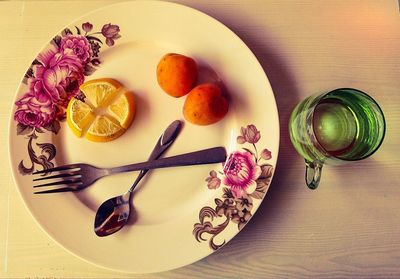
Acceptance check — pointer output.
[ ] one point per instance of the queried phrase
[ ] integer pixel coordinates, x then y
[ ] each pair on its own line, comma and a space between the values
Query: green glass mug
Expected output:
332, 128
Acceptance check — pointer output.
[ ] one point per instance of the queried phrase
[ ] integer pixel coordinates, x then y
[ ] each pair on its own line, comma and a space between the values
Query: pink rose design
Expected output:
52, 56
242, 219
111, 32
249, 134
225, 207
241, 173
87, 26
33, 112
213, 182
78, 45
59, 83
58, 76
266, 154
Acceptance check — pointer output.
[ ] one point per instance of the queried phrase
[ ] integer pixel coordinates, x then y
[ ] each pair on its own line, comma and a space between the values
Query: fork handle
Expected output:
206, 156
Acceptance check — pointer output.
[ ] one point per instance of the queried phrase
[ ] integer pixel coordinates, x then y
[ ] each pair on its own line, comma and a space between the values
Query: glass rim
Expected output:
322, 97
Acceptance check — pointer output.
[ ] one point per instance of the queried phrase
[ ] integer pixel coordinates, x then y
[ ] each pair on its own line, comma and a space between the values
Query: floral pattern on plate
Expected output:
245, 176
53, 79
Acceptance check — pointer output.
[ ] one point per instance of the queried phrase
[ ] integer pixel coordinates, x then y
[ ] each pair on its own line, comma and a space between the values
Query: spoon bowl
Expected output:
114, 213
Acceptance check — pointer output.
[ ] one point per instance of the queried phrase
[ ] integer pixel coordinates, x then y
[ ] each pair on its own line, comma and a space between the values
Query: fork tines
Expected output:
61, 168
69, 175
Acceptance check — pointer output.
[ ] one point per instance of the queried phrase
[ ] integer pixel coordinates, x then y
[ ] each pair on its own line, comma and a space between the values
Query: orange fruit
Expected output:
205, 104
177, 74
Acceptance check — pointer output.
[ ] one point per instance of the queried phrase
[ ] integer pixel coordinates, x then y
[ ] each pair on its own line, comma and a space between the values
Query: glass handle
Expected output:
313, 174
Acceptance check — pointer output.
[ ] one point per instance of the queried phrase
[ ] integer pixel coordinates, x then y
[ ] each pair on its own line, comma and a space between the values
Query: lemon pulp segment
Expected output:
104, 129
123, 109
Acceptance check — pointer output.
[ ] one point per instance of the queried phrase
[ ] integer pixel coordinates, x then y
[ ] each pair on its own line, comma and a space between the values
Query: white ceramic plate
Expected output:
178, 220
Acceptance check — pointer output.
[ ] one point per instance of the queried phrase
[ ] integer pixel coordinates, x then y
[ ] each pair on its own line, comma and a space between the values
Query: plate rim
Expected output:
11, 125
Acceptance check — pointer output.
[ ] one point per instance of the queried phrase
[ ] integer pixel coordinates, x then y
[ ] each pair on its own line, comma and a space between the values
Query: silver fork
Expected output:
79, 176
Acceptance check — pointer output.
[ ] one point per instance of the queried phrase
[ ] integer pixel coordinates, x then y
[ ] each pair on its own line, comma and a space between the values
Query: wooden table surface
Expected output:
348, 228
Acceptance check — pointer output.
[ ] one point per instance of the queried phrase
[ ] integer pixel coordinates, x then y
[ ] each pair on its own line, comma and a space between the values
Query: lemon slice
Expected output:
104, 129
99, 92
80, 116
120, 109
106, 112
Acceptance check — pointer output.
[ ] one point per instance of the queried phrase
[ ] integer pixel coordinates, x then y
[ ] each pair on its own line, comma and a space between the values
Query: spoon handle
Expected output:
206, 156
163, 143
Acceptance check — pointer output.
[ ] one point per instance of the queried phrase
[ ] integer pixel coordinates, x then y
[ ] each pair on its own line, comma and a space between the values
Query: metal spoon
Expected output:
113, 214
